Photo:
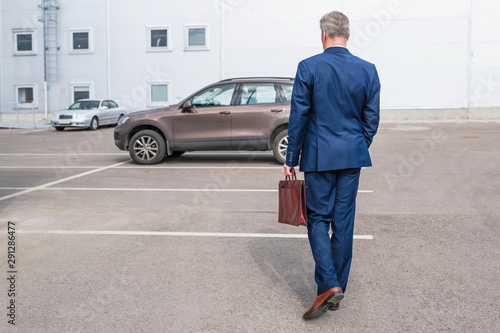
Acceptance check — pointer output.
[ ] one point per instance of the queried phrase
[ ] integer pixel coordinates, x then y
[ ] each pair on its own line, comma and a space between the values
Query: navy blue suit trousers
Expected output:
331, 203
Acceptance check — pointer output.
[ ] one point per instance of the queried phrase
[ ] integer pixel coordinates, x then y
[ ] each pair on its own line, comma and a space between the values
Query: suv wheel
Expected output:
147, 147
280, 145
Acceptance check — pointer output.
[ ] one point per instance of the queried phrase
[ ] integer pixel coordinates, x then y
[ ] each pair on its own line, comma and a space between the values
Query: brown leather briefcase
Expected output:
292, 201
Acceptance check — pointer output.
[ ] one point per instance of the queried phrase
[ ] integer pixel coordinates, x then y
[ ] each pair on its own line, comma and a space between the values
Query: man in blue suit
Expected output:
334, 116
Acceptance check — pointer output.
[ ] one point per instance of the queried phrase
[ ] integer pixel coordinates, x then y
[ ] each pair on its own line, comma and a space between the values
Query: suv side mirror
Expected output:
187, 106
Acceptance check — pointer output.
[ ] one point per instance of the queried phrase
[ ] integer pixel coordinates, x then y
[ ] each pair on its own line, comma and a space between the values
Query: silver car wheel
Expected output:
145, 148
94, 124
282, 146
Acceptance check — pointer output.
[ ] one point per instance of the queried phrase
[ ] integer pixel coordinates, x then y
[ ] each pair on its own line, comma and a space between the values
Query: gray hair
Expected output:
335, 24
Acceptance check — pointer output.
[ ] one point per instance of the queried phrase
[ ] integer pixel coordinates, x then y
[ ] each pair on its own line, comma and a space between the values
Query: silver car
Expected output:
88, 113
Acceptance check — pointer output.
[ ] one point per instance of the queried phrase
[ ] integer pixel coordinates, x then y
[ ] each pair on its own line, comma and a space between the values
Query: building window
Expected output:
196, 37
26, 96
159, 93
81, 90
81, 41
24, 42
158, 38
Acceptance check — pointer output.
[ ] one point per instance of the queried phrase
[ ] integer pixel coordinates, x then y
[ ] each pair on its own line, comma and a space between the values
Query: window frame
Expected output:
34, 43
188, 47
169, 93
32, 105
150, 48
283, 94
79, 84
91, 41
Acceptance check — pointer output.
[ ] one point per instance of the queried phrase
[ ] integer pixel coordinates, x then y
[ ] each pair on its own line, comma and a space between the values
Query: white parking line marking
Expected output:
33, 131
65, 154
203, 167
49, 167
167, 233
135, 167
151, 189
42, 187
234, 152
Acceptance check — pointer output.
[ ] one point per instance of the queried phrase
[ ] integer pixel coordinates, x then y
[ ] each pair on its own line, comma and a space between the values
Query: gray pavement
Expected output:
431, 203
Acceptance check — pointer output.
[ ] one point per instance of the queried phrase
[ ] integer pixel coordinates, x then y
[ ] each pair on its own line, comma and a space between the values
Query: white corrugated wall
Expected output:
430, 54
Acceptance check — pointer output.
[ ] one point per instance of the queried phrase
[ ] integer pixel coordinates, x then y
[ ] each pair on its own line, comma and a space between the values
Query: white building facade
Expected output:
432, 55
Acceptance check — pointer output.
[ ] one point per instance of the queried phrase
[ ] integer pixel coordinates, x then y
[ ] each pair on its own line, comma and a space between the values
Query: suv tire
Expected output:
280, 144
147, 147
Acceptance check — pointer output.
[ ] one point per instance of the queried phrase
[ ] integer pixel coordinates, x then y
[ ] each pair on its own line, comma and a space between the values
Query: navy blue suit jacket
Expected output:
334, 113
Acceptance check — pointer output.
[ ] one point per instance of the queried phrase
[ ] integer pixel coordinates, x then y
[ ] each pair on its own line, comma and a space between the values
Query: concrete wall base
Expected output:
11, 120
440, 114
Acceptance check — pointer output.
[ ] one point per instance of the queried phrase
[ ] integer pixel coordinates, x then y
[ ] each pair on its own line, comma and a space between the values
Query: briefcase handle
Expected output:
292, 178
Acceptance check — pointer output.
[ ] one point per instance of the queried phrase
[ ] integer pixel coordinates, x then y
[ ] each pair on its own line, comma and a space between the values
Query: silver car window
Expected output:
85, 105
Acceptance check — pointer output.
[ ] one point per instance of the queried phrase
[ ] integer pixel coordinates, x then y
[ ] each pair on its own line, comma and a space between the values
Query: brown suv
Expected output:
232, 114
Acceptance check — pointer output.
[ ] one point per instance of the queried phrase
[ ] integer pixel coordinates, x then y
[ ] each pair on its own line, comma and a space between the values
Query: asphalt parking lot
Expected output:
193, 244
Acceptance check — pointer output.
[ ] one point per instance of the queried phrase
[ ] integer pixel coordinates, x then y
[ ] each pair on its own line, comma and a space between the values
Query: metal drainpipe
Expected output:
46, 100
221, 37
108, 49
1, 66
45, 86
469, 56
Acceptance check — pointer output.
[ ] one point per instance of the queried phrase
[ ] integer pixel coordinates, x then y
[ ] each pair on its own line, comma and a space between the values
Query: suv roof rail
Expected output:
258, 78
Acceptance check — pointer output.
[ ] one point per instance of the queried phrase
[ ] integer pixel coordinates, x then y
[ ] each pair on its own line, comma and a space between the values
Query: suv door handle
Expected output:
276, 110
225, 112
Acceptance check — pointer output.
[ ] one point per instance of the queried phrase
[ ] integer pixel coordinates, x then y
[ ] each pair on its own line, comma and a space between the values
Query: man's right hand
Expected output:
287, 170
